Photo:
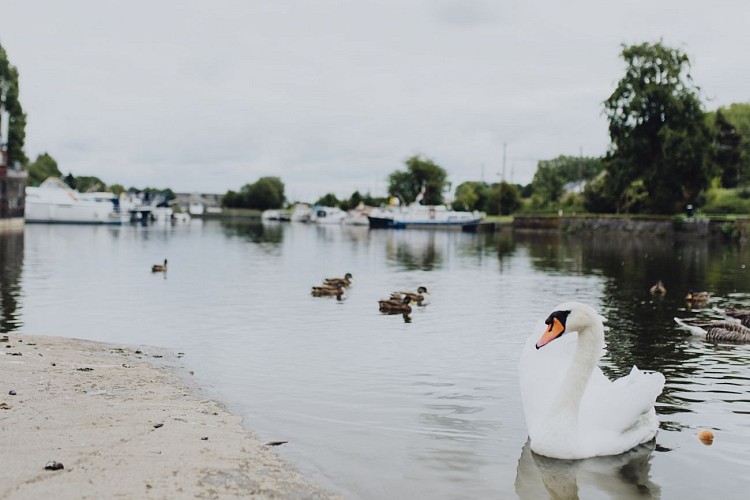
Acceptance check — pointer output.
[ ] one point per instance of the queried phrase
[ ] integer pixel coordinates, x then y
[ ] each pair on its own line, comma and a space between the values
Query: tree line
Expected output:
665, 152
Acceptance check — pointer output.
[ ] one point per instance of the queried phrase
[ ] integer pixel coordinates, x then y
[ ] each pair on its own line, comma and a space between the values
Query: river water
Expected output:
420, 407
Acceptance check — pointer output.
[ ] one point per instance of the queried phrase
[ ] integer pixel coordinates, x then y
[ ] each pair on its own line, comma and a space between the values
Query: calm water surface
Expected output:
378, 406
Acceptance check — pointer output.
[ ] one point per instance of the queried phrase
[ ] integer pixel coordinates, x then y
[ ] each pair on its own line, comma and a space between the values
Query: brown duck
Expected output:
328, 291
395, 306
417, 297
345, 281
696, 298
658, 289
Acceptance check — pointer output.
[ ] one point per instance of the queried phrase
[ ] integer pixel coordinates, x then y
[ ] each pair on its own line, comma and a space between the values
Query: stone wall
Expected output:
642, 225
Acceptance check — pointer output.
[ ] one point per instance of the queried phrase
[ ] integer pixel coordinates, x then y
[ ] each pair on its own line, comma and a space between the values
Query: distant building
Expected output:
198, 203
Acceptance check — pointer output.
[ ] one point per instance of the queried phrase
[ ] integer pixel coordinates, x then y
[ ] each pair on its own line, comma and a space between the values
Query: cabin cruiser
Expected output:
55, 201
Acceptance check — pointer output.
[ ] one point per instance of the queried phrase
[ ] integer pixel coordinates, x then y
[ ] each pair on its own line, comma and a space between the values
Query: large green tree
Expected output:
504, 199
471, 195
657, 129
44, 166
17, 118
731, 127
420, 173
265, 193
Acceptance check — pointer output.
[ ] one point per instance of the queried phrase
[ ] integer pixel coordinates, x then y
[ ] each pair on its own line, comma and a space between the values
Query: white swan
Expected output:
572, 409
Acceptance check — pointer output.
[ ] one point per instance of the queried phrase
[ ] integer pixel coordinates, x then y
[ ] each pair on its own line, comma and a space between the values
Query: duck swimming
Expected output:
417, 297
696, 298
572, 409
328, 291
345, 281
159, 268
395, 306
658, 289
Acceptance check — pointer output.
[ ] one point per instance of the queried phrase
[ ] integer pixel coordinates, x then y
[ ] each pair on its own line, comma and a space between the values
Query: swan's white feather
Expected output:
613, 416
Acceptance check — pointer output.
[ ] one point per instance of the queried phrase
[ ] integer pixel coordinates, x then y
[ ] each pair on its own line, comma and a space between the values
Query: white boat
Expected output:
423, 216
327, 215
55, 201
275, 215
358, 216
300, 212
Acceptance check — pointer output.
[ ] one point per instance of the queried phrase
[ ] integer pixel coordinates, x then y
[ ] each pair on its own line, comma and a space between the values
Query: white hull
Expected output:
56, 203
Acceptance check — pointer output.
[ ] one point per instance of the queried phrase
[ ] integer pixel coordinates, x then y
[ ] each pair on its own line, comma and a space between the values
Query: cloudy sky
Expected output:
333, 95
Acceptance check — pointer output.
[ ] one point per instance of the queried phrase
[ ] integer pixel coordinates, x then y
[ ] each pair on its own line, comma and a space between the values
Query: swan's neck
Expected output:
590, 340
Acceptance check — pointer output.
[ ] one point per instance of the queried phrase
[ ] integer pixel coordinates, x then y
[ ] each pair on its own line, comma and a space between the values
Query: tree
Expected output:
552, 176
9, 99
504, 199
420, 174
266, 193
44, 166
354, 200
657, 129
328, 200
732, 137
471, 196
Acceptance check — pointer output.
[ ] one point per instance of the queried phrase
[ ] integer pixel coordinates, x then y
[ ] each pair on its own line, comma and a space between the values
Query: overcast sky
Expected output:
333, 95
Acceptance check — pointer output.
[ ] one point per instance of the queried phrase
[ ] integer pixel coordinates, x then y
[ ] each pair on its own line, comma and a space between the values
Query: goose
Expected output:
346, 280
717, 330
572, 409
417, 297
395, 306
658, 289
159, 268
741, 315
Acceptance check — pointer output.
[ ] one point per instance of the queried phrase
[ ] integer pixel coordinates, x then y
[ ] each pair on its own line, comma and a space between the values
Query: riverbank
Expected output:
654, 225
122, 426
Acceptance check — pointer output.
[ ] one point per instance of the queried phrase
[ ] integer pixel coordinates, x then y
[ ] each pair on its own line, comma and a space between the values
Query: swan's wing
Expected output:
621, 406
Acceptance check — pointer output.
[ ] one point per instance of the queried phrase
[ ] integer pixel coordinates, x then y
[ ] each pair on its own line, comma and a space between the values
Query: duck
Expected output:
417, 297
159, 268
572, 410
717, 330
696, 298
346, 280
658, 289
328, 291
395, 306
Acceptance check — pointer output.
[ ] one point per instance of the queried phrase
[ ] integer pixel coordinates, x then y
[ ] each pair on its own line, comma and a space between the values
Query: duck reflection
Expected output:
618, 476
11, 263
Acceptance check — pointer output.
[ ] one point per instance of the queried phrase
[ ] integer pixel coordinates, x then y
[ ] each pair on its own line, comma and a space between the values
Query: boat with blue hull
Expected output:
423, 217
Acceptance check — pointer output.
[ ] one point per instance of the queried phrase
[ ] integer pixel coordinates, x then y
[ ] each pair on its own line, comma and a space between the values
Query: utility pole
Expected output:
580, 170
502, 179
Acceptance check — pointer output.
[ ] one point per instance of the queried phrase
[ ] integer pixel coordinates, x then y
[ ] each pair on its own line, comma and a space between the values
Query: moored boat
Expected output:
327, 215
53, 201
423, 216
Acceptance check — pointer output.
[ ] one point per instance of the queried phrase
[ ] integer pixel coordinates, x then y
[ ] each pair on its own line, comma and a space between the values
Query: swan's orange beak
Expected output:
556, 328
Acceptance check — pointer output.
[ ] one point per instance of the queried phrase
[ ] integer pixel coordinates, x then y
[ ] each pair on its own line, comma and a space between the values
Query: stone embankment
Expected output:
642, 225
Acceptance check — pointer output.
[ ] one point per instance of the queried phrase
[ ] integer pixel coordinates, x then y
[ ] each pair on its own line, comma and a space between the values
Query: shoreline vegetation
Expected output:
730, 227
82, 419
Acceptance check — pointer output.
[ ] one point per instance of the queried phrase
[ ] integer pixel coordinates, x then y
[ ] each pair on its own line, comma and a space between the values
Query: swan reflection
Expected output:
618, 476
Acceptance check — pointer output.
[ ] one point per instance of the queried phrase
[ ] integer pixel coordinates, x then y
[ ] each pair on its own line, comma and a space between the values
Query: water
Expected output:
378, 406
